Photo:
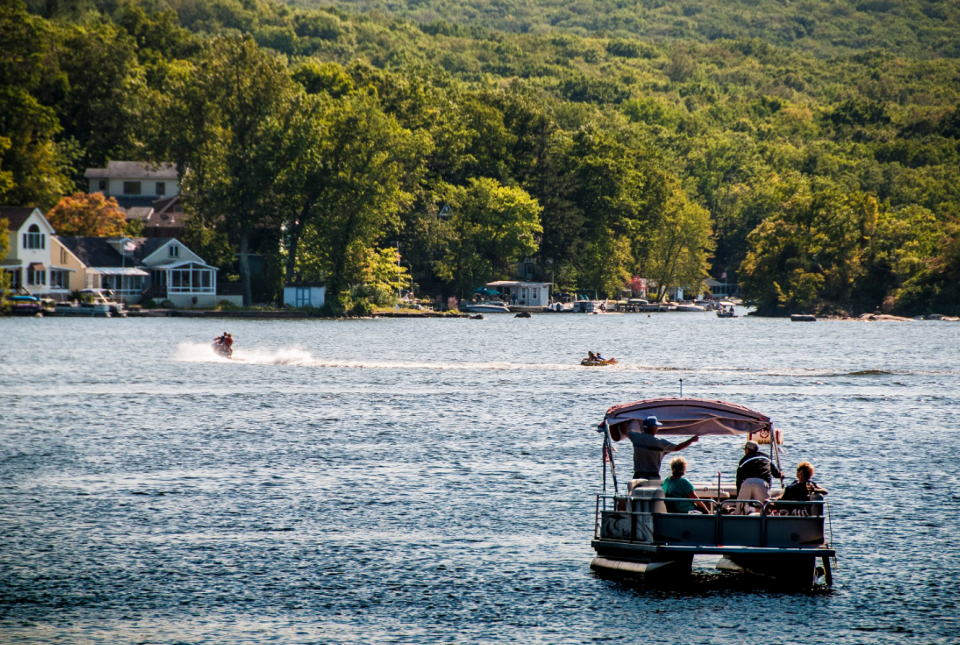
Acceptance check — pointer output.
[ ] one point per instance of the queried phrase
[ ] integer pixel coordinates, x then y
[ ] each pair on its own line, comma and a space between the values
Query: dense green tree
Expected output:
492, 228
32, 165
230, 114
344, 190
680, 247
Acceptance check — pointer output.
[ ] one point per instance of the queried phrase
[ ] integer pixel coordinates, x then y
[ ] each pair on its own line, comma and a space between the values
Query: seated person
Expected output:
676, 485
591, 356
800, 491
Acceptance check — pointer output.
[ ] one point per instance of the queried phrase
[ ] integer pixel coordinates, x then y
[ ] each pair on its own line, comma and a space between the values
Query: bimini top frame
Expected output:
687, 417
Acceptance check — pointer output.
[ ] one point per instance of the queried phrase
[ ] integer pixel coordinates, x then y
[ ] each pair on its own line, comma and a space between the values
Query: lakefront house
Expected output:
31, 263
145, 192
141, 268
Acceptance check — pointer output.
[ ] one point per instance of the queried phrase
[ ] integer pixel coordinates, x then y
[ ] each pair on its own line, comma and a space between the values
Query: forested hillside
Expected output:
321, 140
916, 28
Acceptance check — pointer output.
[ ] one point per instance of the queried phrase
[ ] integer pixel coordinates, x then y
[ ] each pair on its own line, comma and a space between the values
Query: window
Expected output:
15, 278
36, 277
193, 280
63, 256
131, 188
58, 279
174, 251
33, 238
103, 185
161, 188
533, 293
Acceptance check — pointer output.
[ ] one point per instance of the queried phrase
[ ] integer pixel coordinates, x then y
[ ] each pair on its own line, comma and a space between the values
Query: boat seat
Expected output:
647, 496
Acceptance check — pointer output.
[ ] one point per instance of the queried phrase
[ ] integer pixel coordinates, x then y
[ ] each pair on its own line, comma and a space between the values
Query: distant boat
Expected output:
803, 318
686, 306
484, 307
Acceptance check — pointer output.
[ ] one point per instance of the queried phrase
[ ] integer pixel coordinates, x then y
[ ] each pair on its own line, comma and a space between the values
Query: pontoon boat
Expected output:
635, 535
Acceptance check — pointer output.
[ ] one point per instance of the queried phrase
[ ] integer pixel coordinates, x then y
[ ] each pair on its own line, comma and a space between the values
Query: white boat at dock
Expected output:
635, 535
688, 307
484, 307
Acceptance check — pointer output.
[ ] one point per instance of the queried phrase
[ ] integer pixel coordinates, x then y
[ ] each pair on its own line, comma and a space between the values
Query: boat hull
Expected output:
485, 309
785, 567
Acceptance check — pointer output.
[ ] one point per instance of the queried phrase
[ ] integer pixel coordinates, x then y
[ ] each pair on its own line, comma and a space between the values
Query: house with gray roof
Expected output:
135, 268
133, 183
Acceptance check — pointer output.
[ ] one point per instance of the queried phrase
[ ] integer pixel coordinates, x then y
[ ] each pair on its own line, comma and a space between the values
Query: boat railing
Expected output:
622, 505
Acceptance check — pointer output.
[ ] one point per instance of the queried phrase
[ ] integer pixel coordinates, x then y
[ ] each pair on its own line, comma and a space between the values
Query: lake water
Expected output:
433, 480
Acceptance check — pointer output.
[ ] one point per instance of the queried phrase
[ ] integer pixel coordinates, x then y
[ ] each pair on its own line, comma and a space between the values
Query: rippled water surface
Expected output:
433, 480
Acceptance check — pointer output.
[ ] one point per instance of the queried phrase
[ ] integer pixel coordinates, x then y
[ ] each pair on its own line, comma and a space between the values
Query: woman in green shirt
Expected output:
676, 485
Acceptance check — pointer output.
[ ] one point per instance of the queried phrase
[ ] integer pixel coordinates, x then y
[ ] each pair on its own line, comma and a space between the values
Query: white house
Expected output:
134, 184
304, 295
523, 294
155, 267
29, 262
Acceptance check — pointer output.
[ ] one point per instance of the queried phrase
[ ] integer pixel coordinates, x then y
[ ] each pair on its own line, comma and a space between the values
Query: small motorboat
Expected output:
100, 303
598, 363
803, 318
484, 307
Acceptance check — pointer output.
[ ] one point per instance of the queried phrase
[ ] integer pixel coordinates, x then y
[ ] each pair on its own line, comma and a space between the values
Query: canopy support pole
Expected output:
609, 448
603, 454
775, 450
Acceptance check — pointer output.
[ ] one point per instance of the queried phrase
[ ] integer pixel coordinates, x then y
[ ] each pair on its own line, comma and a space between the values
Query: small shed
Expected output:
524, 294
305, 294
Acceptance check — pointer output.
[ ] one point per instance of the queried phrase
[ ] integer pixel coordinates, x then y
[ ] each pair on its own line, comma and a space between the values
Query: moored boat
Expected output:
24, 305
484, 307
635, 535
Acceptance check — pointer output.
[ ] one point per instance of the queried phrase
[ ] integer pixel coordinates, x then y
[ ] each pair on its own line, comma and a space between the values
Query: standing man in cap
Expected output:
648, 451
754, 476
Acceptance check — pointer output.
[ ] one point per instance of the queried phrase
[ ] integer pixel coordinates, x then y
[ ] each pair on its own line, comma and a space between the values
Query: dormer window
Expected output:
174, 251
34, 239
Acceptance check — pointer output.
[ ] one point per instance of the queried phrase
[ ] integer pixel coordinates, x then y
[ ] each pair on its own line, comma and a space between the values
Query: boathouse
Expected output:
522, 294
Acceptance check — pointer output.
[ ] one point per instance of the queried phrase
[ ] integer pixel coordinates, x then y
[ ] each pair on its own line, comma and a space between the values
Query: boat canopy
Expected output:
687, 417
